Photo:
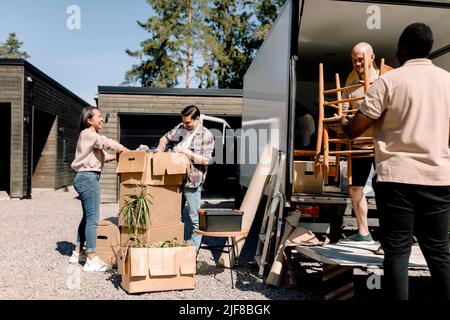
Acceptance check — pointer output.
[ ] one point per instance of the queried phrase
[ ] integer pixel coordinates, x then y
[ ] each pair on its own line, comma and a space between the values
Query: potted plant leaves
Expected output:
136, 213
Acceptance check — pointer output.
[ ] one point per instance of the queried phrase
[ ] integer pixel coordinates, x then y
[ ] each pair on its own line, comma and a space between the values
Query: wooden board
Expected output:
252, 198
355, 255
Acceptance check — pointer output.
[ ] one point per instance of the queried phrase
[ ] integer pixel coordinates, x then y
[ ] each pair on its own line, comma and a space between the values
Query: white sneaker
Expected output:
77, 257
96, 265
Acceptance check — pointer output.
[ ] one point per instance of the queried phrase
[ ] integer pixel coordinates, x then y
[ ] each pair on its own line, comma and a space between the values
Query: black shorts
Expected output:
360, 171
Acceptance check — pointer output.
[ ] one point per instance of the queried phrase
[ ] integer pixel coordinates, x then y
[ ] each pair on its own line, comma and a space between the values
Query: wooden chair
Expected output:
332, 124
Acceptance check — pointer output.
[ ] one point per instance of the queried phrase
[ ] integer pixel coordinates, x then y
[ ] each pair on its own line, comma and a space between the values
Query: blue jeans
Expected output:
87, 186
192, 197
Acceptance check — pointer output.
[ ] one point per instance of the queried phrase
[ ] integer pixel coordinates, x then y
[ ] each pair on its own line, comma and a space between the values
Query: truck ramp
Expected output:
355, 255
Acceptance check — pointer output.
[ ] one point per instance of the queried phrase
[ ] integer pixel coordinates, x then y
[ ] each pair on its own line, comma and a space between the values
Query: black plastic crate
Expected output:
218, 220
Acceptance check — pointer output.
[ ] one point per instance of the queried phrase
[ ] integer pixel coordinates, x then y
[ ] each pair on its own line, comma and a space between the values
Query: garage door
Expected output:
136, 129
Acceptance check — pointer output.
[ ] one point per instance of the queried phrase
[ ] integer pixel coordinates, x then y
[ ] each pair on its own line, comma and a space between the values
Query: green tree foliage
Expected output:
160, 66
221, 36
11, 48
167, 54
266, 12
227, 55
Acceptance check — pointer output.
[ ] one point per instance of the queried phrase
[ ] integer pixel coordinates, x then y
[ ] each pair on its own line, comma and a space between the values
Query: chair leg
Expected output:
349, 169
230, 247
199, 247
325, 154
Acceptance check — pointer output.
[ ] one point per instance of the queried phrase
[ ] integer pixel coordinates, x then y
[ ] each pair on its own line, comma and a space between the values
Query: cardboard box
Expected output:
166, 203
150, 168
157, 269
304, 179
153, 234
220, 220
108, 242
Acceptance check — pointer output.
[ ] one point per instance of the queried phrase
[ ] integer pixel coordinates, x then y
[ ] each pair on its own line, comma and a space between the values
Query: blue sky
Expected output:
80, 59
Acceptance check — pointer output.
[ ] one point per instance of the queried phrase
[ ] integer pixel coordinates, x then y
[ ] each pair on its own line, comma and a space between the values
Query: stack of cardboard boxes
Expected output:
162, 173
155, 269
108, 242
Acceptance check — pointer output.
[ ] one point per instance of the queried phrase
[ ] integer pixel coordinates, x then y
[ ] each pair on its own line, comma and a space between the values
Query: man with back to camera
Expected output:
409, 109
197, 143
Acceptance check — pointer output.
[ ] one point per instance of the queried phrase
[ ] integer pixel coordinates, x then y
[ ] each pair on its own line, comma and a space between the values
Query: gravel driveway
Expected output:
38, 236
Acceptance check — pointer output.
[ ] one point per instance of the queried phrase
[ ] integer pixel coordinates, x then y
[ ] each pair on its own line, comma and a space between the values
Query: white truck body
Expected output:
307, 32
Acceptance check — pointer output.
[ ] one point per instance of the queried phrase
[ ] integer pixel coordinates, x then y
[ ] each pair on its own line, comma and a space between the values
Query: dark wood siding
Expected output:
58, 146
44, 172
11, 91
153, 104
67, 111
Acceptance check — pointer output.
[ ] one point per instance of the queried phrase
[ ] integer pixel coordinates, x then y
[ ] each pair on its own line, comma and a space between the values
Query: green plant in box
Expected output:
136, 211
161, 244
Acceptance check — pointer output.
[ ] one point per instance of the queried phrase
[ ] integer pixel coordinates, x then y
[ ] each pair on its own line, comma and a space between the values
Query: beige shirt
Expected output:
411, 136
90, 154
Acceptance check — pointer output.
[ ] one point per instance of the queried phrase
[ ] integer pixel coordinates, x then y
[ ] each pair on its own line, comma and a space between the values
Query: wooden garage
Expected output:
39, 123
135, 115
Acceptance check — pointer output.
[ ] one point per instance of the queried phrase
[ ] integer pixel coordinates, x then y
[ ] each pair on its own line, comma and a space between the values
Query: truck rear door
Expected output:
266, 98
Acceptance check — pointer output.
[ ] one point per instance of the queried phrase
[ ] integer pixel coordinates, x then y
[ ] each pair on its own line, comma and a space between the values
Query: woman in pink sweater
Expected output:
88, 163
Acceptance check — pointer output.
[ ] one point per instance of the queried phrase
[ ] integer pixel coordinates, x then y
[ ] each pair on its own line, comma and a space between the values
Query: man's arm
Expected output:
357, 125
204, 156
162, 143
195, 158
166, 138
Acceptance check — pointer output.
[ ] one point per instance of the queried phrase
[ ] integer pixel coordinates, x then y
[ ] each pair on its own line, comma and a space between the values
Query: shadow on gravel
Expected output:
205, 269
65, 248
115, 279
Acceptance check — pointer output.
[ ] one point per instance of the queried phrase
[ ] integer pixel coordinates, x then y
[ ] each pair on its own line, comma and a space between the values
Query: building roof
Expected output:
36, 72
169, 91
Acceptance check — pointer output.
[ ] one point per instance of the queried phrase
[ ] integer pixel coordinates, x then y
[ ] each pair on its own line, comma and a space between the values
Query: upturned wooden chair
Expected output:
326, 125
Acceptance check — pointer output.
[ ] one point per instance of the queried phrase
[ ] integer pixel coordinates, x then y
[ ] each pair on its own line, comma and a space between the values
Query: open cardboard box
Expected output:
157, 269
304, 179
165, 208
152, 168
108, 242
154, 234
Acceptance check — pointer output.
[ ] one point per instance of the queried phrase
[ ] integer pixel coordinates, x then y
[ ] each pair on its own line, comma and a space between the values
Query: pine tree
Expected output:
227, 32
266, 12
221, 36
11, 48
158, 67
169, 51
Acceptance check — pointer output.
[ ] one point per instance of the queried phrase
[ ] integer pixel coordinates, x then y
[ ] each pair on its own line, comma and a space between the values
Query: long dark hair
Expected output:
86, 114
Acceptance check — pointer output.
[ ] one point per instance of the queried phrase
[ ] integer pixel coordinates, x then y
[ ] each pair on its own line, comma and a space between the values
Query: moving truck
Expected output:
282, 81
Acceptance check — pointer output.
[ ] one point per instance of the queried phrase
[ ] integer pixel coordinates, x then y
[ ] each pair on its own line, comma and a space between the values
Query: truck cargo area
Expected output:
281, 85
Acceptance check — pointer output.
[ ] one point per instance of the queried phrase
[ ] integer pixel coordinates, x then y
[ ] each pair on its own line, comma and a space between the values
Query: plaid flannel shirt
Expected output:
203, 144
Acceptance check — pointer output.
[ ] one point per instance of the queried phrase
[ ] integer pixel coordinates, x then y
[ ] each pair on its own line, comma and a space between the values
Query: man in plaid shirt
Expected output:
197, 143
